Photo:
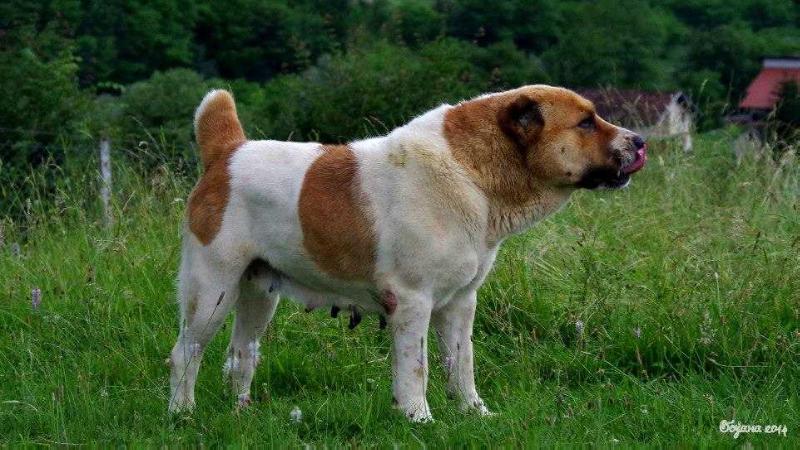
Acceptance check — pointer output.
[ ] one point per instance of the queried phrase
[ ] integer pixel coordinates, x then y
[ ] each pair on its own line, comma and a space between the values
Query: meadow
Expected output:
646, 315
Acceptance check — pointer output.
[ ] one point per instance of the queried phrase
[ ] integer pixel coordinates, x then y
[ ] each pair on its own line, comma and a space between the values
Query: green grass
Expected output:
699, 258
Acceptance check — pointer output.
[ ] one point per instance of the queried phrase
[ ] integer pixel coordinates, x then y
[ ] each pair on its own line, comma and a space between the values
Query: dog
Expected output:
406, 225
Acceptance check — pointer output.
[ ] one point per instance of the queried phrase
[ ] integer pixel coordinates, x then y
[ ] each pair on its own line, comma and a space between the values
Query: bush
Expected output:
371, 90
157, 115
42, 108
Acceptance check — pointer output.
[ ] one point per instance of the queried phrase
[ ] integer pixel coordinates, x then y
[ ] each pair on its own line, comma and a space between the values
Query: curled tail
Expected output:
217, 128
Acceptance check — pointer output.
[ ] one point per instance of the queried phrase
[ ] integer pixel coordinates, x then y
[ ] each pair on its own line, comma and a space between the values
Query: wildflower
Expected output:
637, 332
36, 298
579, 326
296, 415
707, 332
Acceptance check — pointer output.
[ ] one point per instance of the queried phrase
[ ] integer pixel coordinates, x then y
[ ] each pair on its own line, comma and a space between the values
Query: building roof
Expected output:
632, 108
763, 90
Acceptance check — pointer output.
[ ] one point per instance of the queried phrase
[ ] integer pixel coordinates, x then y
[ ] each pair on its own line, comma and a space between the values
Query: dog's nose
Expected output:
638, 142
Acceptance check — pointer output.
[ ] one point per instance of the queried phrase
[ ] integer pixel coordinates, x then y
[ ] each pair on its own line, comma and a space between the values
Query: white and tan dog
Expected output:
406, 225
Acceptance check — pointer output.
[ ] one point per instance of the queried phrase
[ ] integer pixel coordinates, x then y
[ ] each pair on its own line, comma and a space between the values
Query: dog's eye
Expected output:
587, 123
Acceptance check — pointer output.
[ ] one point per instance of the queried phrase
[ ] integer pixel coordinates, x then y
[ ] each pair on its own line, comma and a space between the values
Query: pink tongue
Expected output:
641, 158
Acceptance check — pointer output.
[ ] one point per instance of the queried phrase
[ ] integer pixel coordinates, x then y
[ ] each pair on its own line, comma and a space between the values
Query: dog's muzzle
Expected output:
640, 156
627, 163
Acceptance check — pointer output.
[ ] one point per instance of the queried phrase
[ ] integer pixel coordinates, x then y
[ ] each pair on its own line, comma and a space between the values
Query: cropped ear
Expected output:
521, 121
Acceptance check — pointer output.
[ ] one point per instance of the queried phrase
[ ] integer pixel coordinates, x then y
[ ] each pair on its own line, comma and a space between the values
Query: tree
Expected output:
612, 42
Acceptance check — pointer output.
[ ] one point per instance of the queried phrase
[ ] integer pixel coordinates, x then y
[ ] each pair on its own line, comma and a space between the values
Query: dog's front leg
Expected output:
409, 323
453, 323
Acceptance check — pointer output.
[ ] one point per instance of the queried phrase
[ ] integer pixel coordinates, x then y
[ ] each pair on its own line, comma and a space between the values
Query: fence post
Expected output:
105, 174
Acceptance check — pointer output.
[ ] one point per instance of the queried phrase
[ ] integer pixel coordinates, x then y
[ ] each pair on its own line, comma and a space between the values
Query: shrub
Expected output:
371, 90
43, 107
157, 115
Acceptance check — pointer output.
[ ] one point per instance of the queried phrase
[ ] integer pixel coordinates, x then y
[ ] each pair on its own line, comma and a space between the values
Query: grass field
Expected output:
642, 316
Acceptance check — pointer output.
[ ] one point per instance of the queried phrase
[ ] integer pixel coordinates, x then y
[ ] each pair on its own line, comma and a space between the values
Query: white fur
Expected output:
432, 254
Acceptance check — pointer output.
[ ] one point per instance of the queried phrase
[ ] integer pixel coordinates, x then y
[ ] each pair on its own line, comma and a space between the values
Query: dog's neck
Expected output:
516, 199
508, 219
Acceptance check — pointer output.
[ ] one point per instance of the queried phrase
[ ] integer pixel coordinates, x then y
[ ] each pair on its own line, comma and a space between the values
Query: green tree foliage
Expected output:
600, 46
369, 91
532, 24
41, 100
416, 21
126, 40
41, 118
339, 69
659, 44
257, 40
156, 113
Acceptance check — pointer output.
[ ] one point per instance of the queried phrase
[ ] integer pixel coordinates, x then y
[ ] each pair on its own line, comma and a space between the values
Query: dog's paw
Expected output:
181, 407
243, 401
419, 417
483, 411
477, 406
417, 412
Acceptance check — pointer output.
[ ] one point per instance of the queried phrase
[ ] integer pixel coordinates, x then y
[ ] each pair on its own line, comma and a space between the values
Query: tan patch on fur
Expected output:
337, 231
208, 201
524, 175
398, 157
217, 128
219, 134
191, 309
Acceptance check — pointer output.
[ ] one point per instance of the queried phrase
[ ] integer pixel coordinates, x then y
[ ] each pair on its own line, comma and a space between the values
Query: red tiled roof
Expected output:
763, 90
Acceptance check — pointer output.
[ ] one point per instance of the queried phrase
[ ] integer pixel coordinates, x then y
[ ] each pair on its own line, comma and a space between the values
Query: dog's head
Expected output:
565, 142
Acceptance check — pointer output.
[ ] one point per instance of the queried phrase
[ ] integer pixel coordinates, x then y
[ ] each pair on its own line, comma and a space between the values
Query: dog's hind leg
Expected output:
254, 311
207, 289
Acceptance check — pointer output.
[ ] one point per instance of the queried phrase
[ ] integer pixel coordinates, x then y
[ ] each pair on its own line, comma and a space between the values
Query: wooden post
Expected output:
105, 175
